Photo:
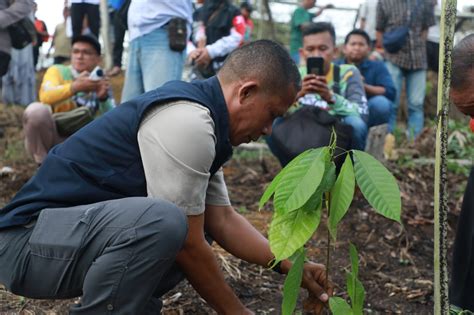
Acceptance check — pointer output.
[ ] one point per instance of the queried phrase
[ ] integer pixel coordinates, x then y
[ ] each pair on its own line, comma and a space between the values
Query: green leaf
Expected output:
378, 185
290, 231
339, 306
271, 188
355, 289
341, 195
291, 288
300, 181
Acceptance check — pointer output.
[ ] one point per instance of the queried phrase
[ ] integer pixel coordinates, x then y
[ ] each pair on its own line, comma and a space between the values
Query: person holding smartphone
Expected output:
349, 103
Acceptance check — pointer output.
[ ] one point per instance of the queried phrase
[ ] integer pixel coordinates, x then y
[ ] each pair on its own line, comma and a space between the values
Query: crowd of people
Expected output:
83, 225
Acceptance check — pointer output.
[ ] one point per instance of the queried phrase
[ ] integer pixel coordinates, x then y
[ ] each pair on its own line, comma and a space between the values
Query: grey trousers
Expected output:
119, 255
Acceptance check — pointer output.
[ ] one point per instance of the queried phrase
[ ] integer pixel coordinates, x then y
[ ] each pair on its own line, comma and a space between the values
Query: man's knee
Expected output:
165, 223
379, 104
37, 114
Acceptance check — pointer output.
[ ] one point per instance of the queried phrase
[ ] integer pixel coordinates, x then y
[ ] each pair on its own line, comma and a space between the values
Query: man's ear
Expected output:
247, 91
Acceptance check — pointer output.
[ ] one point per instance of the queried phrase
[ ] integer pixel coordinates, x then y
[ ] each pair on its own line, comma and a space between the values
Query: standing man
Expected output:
9, 14
378, 83
151, 61
462, 276
409, 62
300, 19
85, 9
368, 14
119, 213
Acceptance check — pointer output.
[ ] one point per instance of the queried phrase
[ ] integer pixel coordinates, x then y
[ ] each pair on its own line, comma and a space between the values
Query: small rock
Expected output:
6, 170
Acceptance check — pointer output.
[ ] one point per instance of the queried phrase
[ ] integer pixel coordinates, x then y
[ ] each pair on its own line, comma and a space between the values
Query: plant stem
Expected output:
328, 253
448, 20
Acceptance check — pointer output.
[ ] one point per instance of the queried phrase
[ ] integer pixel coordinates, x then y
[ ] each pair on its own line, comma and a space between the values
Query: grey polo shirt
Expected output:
177, 145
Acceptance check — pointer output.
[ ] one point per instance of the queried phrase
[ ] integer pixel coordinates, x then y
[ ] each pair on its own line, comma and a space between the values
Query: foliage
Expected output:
355, 289
299, 192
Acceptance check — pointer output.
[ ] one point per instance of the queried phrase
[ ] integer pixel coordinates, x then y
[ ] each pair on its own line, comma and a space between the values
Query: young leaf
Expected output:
292, 230
339, 306
271, 188
291, 288
341, 195
300, 181
378, 185
355, 289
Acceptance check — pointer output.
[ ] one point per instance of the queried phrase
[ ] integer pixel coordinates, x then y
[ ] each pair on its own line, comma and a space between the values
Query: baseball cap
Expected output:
91, 39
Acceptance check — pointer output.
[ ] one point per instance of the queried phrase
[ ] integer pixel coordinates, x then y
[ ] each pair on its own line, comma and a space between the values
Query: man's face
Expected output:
319, 45
256, 109
308, 4
464, 100
84, 57
356, 49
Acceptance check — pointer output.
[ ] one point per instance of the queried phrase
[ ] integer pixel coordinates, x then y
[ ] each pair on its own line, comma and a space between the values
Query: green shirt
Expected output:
350, 101
299, 17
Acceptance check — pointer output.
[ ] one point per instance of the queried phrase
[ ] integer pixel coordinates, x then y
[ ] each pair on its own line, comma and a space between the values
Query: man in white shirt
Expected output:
151, 61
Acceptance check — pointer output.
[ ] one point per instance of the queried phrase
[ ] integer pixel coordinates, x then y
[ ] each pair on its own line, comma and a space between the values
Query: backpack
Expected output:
22, 33
311, 127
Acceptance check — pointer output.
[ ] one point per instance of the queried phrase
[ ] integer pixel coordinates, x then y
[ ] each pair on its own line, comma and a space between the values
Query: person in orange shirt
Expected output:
63, 89
42, 36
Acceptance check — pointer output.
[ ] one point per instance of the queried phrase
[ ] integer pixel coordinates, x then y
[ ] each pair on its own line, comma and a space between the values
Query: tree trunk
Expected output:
104, 33
448, 21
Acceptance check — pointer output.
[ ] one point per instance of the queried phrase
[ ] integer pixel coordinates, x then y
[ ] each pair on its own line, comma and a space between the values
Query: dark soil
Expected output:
396, 262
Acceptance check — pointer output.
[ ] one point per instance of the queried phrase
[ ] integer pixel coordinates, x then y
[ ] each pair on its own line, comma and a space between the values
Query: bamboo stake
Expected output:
104, 33
448, 21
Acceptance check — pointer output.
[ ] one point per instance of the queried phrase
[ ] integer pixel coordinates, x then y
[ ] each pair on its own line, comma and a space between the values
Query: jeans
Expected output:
359, 131
151, 64
379, 110
415, 83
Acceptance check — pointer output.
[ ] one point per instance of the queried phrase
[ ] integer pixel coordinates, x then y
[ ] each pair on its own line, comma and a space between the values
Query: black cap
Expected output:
90, 38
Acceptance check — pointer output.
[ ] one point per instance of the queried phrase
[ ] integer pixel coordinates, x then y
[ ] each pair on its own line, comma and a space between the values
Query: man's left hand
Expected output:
103, 89
318, 286
203, 59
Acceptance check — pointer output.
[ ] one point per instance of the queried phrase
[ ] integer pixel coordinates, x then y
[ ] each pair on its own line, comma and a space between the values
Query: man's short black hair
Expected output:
462, 68
320, 27
264, 60
90, 39
247, 6
359, 32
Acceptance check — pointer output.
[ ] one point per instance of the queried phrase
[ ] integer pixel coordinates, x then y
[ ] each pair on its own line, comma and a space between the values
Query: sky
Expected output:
50, 11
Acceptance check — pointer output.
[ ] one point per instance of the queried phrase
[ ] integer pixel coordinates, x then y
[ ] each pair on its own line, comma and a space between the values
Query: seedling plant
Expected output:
307, 186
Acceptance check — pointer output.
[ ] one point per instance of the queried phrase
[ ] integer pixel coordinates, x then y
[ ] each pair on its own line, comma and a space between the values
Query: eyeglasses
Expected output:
85, 52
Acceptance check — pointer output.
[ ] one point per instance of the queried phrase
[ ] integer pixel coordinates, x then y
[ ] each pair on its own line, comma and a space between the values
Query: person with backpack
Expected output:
338, 90
9, 14
67, 90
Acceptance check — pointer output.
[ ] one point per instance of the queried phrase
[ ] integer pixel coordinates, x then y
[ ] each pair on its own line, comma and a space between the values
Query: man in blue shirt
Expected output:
378, 83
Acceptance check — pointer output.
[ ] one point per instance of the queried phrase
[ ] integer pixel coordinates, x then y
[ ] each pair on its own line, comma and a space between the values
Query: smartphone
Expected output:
315, 65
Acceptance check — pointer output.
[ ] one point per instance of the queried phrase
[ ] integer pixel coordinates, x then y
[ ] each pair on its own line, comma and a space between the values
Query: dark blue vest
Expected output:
102, 160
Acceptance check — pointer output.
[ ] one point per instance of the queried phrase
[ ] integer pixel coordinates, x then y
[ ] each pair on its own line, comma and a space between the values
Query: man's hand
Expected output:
84, 84
315, 84
200, 56
103, 89
319, 288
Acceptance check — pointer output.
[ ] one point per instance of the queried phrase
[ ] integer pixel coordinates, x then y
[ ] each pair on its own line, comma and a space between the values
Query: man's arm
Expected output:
15, 12
237, 236
372, 90
200, 266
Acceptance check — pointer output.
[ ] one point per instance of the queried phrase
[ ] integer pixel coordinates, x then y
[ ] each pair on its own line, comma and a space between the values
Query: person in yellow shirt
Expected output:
65, 88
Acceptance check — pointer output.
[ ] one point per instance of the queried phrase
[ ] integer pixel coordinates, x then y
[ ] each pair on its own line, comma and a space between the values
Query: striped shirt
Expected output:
395, 13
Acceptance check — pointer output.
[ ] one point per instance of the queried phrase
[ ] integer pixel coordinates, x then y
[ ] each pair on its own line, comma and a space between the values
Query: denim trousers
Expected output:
359, 131
379, 110
119, 255
415, 84
151, 63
